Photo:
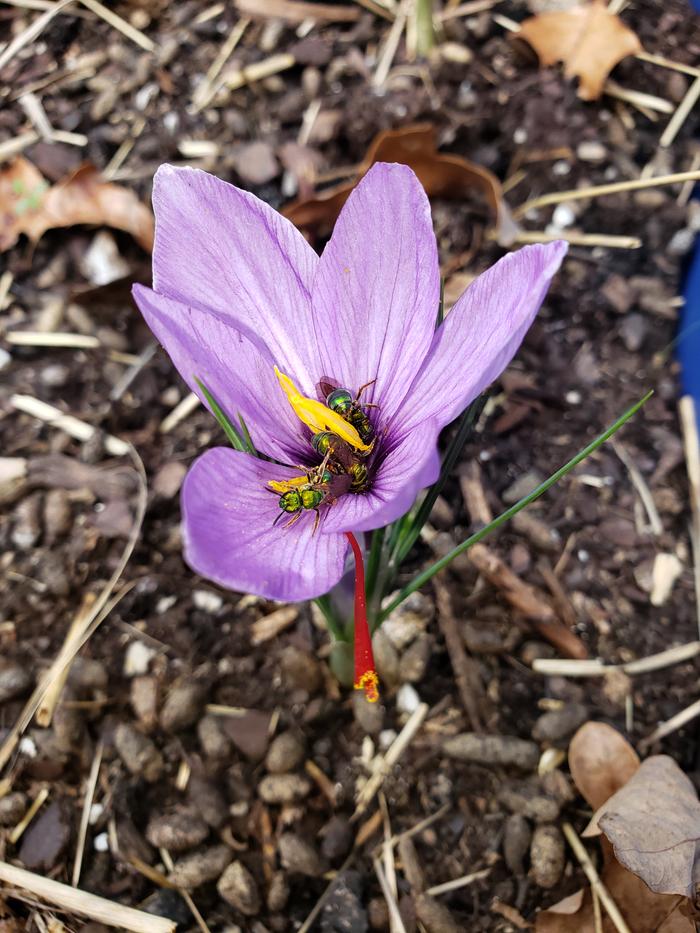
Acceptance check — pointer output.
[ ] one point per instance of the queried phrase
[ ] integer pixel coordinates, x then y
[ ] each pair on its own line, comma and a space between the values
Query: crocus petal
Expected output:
480, 335
228, 512
377, 288
221, 249
408, 465
237, 372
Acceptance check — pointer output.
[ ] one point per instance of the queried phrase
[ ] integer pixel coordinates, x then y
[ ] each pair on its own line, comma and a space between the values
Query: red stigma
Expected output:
365, 673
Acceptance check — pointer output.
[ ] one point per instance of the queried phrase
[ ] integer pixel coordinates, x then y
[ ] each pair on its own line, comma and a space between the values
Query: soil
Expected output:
185, 704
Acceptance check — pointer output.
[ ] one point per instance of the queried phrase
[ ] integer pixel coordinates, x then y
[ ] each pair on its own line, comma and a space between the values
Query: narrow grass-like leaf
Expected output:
230, 430
250, 446
441, 306
334, 627
374, 560
439, 565
464, 429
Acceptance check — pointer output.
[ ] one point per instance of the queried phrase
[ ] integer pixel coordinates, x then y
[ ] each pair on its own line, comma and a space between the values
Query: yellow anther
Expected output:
319, 417
369, 682
284, 485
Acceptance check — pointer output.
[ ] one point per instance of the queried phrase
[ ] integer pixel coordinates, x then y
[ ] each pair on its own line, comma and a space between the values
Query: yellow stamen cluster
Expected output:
318, 417
284, 485
369, 682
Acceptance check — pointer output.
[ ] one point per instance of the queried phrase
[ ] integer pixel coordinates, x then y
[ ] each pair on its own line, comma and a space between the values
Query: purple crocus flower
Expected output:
239, 295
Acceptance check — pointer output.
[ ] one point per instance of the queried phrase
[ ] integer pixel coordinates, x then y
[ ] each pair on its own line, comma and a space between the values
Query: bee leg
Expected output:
295, 519
362, 389
371, 405
317, 519
279, 517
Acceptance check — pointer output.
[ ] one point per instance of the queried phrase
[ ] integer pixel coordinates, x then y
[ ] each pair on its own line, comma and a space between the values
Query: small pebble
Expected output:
516, 842
143, 696
547, 856
137, 657
208, 801
286, 752
284, 788
12, 808
57, 515
408, 620
138, 753
299, 856
407, 699
300, 670
560, 724
46, 838
178, 831
591, 151
238, 888
207, 601
415, 659
386, 659
493, 750
481, 639
522, 486
343, 911
278, 892
212, 739
200, 867
182, 706
27, 529
15, 679
101, 843
435, 917
526, 798
337, 839
369, 716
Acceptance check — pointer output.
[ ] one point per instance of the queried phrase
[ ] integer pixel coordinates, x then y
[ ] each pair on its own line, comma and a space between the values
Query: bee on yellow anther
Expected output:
318, 417
369, 682
284, 485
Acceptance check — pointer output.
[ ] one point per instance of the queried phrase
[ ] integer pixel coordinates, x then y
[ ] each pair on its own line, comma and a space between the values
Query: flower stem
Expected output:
426, 575
334, 627
365, 673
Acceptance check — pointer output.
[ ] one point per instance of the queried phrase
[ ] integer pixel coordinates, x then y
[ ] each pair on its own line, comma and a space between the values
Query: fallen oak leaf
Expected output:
441, 174
28, 205
601, 761
588, 39
653, 823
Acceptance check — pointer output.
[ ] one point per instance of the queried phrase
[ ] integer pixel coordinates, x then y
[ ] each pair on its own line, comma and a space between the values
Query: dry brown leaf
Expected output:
28, 205
644, 911
601, 762
653, 823
442, 176
588, 39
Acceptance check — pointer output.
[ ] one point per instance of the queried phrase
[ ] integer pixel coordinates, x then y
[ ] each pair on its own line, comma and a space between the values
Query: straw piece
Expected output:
209, 86
80, 902
391, 45
30, 338
19, 829
691, 444
668, 63
638, 98
90, 786
576, 194
120, 24
257, 71
653, 662
32, 31
578, 239
579, 850
681, 114
394, 752
71, 425
182, 410
456, 883
671, 725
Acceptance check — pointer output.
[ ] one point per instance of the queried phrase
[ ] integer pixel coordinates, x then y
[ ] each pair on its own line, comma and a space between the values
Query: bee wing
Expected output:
324, 387
339, 485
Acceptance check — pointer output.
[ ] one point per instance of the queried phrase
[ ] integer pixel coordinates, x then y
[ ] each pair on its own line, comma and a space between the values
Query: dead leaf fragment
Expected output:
601, 762
653, 823
28, 205
442, 176
644, 911
588, 39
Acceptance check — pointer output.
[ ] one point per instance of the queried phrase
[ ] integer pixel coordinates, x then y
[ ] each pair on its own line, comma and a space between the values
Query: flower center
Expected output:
342, 435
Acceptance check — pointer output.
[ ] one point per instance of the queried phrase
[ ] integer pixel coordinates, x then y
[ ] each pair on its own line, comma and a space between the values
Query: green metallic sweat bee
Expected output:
306, 493
340, 456
342, 403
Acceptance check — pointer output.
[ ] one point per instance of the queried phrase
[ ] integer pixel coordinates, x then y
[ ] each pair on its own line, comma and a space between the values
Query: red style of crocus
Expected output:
365, 672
